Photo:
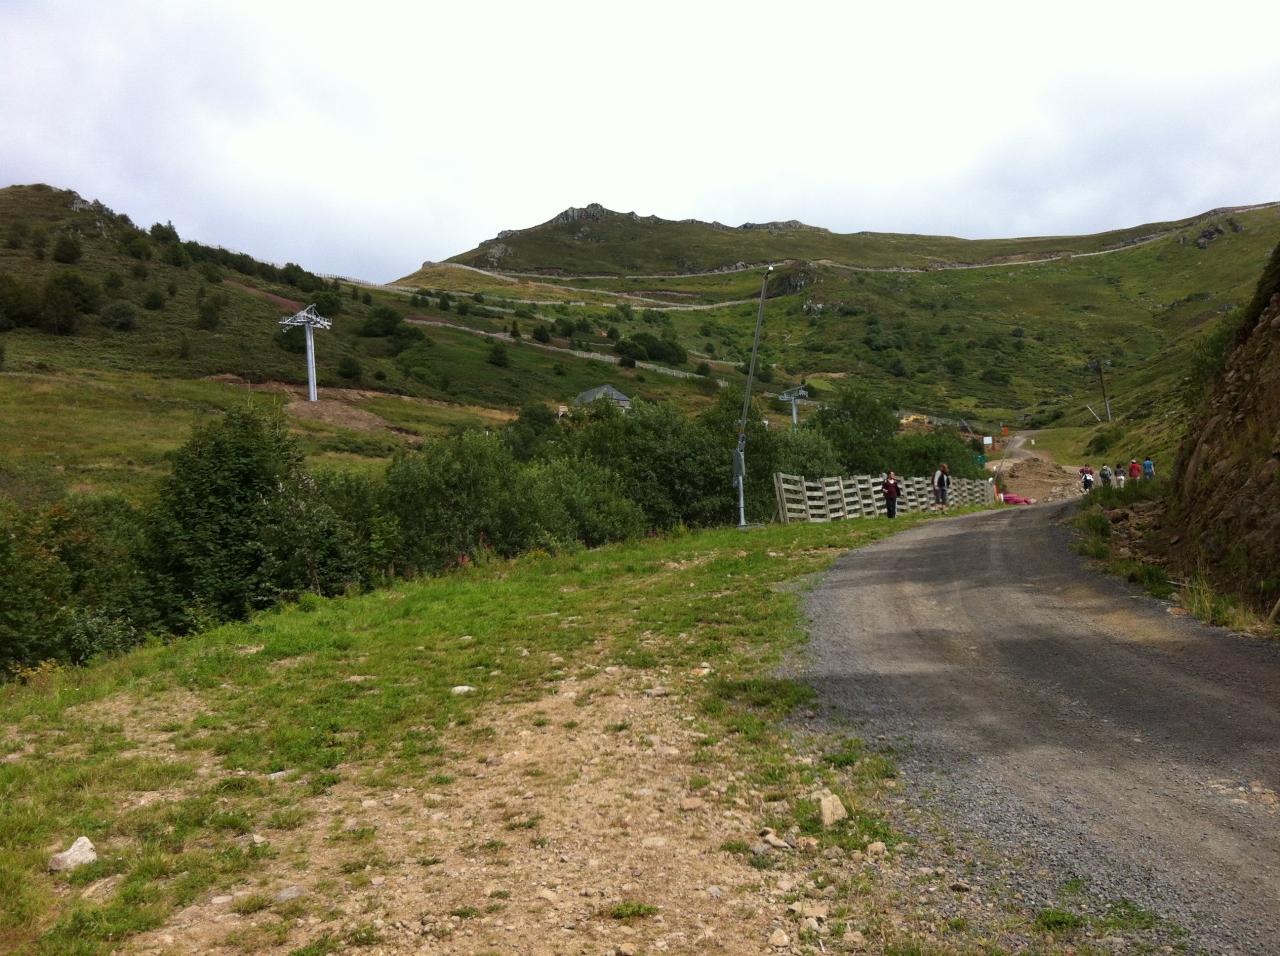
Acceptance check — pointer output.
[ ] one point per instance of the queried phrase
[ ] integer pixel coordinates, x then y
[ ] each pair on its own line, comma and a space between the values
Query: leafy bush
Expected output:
121, 316
91, 633
349, 368
209, 312
33, 601
67, 249
579, 501
382, 321
452, 499
153, 299
860, 427
919, 453
233, 527
20, 303
498, 355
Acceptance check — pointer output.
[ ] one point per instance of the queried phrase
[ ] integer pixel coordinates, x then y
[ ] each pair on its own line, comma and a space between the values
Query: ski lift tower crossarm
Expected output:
309, 319
792, 396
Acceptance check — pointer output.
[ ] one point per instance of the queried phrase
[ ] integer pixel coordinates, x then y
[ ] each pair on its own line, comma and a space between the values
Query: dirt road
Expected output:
1064, 721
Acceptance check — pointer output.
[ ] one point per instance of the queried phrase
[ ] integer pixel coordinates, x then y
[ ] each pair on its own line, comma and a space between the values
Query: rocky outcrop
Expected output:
592, 212
1224, 516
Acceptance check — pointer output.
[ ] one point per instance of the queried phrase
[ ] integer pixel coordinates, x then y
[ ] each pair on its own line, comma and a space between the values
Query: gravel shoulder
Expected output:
1083, 733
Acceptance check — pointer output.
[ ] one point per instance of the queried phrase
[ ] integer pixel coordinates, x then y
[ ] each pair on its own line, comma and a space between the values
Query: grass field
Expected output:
161, 757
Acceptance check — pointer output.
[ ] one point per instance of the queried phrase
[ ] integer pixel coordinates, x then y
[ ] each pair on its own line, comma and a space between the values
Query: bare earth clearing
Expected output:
1118, 751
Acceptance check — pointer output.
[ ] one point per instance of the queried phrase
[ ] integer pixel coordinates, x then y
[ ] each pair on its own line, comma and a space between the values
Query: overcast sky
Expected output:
364, 138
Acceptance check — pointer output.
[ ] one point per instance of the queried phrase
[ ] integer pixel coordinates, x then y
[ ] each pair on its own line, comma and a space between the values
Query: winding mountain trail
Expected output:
1078, 730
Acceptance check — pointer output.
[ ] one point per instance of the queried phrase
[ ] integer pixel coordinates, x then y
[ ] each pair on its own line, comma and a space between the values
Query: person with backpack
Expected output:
1148, 469
1119, 473
1105, 475
1086, 479
892, 492
941, 484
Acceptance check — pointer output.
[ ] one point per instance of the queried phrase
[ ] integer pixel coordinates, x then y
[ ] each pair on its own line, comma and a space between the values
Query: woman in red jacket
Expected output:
892, 491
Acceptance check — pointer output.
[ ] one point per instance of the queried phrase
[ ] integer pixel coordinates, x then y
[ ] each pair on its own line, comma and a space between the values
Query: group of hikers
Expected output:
1146, 471
892, 490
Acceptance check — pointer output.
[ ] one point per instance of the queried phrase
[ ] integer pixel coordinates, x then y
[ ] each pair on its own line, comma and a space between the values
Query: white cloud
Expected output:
363, 139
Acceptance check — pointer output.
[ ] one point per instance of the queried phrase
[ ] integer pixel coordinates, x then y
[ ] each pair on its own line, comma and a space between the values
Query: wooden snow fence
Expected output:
859, 496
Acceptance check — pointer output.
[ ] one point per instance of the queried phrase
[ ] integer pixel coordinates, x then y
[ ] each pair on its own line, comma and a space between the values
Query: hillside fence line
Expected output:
859, 496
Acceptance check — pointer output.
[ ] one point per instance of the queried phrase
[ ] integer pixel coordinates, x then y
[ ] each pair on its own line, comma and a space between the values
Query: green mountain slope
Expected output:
592, 239
1006, 342
91, 401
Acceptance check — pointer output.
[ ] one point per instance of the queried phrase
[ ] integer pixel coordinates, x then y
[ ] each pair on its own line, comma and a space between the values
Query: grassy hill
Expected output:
592, 239
1007, 342
88, 402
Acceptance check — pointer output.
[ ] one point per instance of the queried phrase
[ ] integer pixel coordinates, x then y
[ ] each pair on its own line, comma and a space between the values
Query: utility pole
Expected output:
739, 453
1099, 366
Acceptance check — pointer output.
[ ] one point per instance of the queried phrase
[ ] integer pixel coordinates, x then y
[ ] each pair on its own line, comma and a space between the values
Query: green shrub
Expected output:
121, 316
349, 368
91, 634
498, 355
66, 249
235, 527
454, 498
33, 601
382, 321
153, 299
578, 501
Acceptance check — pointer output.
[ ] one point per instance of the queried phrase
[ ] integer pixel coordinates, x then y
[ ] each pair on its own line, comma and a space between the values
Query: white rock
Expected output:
653, 842
462, 689
290, 893
221, 900
876, 849
78, 854
551, 896
778, 939
832, 808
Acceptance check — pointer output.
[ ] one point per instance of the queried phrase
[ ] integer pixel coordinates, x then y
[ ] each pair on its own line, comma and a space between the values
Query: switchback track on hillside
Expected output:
1064, 721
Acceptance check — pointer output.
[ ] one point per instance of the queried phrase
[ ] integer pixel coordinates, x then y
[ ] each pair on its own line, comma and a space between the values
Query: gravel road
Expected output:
1077, 729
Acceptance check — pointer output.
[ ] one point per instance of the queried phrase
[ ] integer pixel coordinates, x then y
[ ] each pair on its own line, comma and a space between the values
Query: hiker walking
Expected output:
1148, 469
892, 492
941, 484
1135, 470
1086, 479
1119, 473
1105, 475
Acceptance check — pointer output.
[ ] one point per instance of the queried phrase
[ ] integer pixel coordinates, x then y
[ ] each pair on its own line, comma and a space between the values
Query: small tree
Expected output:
349, 368
121, 316
39, 242
541, 334
154, 299
498, 356
209, 312
67, 250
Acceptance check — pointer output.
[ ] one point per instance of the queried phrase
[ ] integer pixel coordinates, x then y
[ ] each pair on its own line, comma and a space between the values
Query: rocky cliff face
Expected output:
1224, 519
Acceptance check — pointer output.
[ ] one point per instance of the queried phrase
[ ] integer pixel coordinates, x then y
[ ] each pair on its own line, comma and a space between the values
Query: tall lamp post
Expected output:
309, 319
739, 453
